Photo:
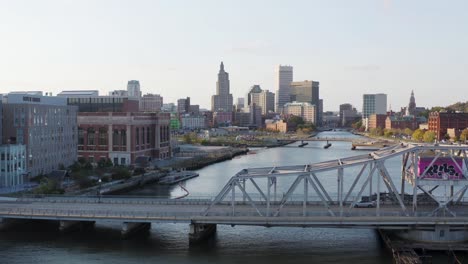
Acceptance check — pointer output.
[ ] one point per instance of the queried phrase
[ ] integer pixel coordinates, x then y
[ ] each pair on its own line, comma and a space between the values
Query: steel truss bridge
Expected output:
321, 194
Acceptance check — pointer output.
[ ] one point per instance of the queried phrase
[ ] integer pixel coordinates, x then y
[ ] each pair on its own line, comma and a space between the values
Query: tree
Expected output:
408, 132
121, 173
296, 120
104, 163
388, 133
357, 125
418, 134
464, 135
49, 186
429, 136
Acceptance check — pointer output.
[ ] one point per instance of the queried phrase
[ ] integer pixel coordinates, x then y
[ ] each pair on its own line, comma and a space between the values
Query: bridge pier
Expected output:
131, 228
200, 232
437, 234
70, 226
6, 223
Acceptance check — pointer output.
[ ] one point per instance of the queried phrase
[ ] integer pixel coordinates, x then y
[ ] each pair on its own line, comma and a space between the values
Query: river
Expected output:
168, 243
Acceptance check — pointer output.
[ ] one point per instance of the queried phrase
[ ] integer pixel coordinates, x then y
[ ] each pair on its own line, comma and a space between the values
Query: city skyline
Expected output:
351, 48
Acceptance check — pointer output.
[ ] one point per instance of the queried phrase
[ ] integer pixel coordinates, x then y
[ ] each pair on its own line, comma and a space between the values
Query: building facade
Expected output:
439, 122
307, 92
374, 104
118, 93
12, 164
283, 80
267, 102
122, 137
46, 125
377, 121
151, 103
222, 118
222, 101
193, 121
307, 111
133, 88
183, 105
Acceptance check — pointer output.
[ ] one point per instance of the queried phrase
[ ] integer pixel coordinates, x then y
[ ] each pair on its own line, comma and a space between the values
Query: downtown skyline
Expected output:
351, 48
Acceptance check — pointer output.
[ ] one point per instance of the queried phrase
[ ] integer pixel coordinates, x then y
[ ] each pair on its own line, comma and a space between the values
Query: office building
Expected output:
266, 102
374, 104
439, 122
283, 79
305, 110
151, 103
222, 101
91, 101
133, 89
307, 92
46, 125
183, 105
118, 93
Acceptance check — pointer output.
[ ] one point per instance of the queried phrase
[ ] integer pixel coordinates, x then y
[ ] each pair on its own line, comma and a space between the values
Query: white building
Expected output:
374, 104
283, 79
193, 122
151, 103
305, 110
133, 88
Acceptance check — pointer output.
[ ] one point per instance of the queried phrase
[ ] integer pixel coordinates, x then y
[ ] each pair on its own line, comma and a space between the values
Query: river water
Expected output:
168, 243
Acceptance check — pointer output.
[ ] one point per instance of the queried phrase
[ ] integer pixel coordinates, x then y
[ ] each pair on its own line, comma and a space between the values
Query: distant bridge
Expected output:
251, 197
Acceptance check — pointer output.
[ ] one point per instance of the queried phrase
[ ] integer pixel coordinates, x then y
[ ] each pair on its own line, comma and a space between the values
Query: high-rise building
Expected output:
348, 115
411, 109
183, 105
133, 88
253, 96
374, 104
307, 92
151, 103
46, 125
283, 80
267, 102
240, 103
222, 101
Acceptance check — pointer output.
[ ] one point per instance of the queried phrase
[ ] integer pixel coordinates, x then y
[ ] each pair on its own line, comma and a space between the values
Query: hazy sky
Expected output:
174, 47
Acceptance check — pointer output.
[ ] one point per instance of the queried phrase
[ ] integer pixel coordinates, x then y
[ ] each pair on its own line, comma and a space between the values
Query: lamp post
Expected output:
99, 191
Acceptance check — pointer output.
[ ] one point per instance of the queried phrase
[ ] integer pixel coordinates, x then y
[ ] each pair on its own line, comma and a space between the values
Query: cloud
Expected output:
364, 67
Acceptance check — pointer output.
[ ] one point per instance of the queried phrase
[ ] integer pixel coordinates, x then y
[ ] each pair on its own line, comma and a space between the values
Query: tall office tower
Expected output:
267, 102
410, 110
307, 92
253, 96
222, 101
240, 103
345, 107
374, 104
133, 88
283, 80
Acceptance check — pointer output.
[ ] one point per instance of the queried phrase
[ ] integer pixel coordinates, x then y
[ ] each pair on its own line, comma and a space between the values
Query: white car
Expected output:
362, 204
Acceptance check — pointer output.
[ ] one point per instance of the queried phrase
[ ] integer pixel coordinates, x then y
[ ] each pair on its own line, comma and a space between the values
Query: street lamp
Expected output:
99, 191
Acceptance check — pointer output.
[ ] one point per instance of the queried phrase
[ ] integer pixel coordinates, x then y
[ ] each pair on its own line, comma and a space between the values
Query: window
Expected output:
102, 136
123, 134
115, 138
137, 136
80, 136
143, 136
116, 161
122, 161
148, 135
91, 135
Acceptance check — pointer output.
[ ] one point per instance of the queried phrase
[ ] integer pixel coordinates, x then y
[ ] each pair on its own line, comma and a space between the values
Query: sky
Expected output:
174, 47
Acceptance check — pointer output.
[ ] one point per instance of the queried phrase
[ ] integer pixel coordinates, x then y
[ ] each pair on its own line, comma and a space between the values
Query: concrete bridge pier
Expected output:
435, 234
131, 228
6, 223
200, 232
70, 226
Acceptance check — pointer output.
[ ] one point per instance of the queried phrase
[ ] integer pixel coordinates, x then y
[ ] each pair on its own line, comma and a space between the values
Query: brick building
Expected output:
122, 137
439, 122
376, 120
403, 122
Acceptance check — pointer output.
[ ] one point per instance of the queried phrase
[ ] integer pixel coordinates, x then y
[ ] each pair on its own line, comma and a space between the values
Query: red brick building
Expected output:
439, 122
122, 137
376, 121
403, 122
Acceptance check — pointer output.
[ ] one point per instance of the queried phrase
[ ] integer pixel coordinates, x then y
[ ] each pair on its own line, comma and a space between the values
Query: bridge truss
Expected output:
300, 190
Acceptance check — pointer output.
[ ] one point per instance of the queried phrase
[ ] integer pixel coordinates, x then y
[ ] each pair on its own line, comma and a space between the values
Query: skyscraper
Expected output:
307, 92
374, 104
253, 95
283, 79
222, 101
410, 110
133, 88
267, 101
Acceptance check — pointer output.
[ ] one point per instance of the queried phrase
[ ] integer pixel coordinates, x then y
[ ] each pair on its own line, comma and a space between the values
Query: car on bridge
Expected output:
367, 204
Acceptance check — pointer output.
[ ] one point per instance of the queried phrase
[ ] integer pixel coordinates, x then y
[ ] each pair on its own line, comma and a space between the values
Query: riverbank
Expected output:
197, 157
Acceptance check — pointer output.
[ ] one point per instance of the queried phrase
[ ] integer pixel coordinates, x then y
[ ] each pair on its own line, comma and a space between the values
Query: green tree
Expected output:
121, 173
418, 134
429, 136
408, 131
388, 133
296, 120
49, 186
464, 135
